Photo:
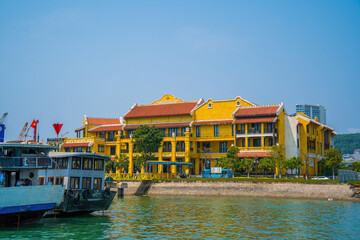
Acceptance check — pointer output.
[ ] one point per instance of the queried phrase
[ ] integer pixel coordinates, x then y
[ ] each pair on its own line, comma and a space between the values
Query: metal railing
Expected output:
25, 162
139, 176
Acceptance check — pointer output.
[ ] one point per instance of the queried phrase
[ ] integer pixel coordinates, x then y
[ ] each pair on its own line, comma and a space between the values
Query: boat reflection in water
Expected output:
83, 175
22, 199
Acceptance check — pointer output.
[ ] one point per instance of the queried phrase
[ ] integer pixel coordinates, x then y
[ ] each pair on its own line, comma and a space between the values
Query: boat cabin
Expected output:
75, 170
20, 163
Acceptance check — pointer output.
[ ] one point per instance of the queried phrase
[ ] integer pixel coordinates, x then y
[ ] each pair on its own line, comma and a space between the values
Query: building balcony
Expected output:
124, 150
255, 133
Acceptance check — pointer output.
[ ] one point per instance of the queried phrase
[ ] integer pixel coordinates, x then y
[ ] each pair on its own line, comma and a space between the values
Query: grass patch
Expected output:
251, 179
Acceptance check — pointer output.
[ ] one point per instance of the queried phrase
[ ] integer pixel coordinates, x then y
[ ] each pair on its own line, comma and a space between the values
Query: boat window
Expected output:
97, 183
41, 180
59, 181
86, 183
99, 164
62, 163
74, 182
76, 163
51, 180
87, 164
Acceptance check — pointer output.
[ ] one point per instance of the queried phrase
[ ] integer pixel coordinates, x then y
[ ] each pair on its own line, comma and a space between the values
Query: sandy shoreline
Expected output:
247, 189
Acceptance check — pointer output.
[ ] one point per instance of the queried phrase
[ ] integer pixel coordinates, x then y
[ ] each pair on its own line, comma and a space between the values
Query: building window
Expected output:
78, 149
198, 146
216, 130
86, 183
88, 149
256, 128
298, 143
209, 105
177, 146
206, 146
102, 134
313, 130
99, 164
76, 163
232, 130
223, 147
173, 130
198, 131
238, 103
112, 150
74, 182
243, 142
183, 146
270, 142
191, 146
183, 131
307, 128
87, 164
111, 136
270, 127
242, 128
97, 183
257, 142
59, 181
101, 148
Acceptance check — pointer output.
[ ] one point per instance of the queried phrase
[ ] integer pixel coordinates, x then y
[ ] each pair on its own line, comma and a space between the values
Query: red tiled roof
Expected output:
253, 154
255, 120
106, 128
76, 144
161, 110
103, 121
314, 122
213, 122
161, 125
258, 110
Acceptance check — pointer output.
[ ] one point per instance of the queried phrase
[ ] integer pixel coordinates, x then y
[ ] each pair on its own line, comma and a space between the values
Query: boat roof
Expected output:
21, 144
75, 154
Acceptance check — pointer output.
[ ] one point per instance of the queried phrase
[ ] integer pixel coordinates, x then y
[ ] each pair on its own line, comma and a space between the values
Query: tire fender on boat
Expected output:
86, 193
106, 193
70, 193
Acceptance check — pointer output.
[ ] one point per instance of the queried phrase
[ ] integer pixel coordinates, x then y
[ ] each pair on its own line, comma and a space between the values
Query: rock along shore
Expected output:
323, 191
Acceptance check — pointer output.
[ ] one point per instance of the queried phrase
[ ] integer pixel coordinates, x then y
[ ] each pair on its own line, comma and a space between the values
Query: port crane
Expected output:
2, 119
24, 132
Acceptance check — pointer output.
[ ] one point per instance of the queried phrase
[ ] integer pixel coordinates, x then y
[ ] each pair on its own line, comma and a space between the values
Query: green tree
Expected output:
122, 161
356, 166
266, 164
294, 163
231, 160
247, 164
277, 156
333, 158
147, 141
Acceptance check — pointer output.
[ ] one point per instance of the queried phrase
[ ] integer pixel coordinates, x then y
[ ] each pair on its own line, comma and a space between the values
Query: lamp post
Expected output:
256, 161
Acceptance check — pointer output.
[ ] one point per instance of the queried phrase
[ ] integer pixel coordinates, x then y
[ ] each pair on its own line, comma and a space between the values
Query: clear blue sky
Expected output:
60, 60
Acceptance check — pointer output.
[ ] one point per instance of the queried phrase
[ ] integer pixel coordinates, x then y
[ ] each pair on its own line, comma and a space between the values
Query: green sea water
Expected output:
173, 217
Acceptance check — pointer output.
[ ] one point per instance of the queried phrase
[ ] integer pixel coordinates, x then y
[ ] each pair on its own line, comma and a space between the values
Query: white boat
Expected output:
22, 199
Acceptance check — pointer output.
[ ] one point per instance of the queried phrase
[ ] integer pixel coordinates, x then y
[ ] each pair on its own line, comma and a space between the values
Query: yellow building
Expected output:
200, 132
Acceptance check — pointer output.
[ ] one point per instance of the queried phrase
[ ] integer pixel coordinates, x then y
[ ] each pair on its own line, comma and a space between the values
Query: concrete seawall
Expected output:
248, 189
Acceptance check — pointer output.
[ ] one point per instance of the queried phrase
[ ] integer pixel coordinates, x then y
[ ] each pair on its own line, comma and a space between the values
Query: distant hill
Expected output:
347, 142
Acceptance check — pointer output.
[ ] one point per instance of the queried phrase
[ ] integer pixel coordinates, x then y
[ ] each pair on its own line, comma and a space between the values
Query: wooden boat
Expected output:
22, 199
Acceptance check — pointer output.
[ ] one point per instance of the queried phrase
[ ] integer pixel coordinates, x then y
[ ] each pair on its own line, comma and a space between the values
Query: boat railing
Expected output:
25, 162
